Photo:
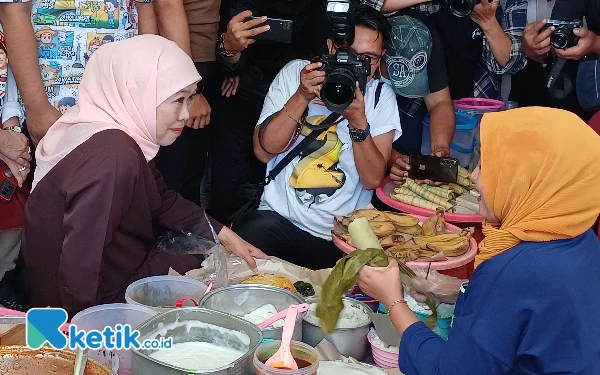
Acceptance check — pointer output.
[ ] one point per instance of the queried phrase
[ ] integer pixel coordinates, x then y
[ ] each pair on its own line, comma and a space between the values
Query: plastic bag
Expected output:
444, 288
182, 242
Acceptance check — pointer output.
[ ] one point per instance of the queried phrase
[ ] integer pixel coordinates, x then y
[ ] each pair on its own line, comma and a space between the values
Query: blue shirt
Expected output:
534, 309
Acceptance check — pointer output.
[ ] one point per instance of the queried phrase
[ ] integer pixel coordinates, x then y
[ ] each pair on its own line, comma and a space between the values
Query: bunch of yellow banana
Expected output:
391, 241
436, 224
464, 178
451, 244
389, 227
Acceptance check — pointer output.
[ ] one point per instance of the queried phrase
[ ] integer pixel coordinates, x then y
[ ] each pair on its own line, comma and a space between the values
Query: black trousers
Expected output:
182, 164
276, 236
233, 160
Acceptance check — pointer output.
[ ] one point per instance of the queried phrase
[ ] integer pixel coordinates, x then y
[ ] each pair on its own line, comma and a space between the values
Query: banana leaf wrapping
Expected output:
343, 277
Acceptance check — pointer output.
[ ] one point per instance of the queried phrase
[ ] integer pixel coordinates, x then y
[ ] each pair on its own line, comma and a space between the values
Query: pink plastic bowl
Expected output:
383, 358
383, 193
441, 265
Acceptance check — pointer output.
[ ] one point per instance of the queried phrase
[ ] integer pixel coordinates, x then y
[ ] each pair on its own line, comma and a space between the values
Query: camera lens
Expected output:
462, 8
559, 39
338, 90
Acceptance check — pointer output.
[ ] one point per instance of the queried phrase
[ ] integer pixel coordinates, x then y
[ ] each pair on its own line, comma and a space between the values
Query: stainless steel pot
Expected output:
350, 342
157, 327
242, 299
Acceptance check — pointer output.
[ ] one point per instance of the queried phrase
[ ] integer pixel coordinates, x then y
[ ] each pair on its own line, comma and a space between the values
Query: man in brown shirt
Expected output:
182, 164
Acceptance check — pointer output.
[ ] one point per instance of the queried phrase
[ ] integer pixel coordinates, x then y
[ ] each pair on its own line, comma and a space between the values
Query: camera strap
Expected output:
378, 93
303, 145
557, 74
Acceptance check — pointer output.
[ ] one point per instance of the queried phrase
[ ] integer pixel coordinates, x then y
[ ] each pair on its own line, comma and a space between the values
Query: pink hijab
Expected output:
122, 85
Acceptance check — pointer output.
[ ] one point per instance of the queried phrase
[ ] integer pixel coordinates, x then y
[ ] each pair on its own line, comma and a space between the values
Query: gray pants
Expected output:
10, 243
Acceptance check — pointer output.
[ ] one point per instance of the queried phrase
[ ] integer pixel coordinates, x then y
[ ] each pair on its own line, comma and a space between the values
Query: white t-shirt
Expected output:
323, 181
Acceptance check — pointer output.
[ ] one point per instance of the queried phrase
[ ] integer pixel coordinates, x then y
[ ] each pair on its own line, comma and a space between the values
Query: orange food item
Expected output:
271, 280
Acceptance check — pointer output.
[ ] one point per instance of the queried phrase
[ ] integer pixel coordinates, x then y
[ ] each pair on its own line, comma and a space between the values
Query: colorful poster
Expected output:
95, 41
53, 44
68, 32
103, 14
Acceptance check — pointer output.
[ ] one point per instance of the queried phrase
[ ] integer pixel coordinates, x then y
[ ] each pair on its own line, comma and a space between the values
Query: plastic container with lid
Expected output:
110, 315
463, 143
477, 107
160, 292
300, 351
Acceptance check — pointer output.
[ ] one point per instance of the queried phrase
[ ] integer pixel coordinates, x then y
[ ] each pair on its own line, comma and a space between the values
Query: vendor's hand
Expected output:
15, 146
588, 43
484, 13
240, 33
399, 172
381, 283
444, 288
236, 245
20, 175
199, 112
535, 44
440, 152
355, 113
229, 86
311, 81
40, 119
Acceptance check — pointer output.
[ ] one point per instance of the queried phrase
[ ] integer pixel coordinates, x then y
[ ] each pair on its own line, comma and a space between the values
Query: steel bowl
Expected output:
242, 299
350, 342
157, 327
20, 360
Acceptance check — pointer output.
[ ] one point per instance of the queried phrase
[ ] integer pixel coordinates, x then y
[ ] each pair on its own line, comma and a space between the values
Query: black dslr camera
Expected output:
344, 68
563, 36
462, 8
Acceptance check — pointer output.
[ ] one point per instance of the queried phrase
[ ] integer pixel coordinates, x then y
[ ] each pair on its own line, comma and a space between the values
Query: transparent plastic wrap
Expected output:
182, 242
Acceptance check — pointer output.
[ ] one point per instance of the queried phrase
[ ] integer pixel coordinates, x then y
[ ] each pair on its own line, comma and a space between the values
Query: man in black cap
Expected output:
416, 68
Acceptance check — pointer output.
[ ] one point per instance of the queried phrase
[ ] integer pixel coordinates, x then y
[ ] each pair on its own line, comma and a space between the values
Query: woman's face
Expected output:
485, 211
172, 114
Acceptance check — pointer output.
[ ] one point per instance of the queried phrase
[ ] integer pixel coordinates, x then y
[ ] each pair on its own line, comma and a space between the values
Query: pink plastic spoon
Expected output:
282, 314
283, 359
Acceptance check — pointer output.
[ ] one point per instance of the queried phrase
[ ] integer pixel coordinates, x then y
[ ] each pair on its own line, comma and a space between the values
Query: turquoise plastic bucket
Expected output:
464, 141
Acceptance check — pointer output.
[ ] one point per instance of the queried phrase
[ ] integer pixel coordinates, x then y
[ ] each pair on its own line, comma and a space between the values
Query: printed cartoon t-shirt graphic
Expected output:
317, 174
68, 32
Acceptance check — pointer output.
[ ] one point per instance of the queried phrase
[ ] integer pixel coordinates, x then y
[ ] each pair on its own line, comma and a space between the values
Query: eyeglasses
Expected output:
374, 58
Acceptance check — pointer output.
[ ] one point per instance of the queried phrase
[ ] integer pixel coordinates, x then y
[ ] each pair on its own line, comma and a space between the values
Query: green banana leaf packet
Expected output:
343, 277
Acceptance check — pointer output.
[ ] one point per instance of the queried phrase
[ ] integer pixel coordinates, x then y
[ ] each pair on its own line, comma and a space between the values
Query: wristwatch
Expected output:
359, 135
16, 129
221, 47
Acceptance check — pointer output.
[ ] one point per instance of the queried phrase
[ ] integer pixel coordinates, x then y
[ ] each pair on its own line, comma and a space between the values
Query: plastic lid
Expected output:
479, 103
464, 121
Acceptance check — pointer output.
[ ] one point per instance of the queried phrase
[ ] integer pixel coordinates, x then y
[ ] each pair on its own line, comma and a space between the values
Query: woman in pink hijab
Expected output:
98, 202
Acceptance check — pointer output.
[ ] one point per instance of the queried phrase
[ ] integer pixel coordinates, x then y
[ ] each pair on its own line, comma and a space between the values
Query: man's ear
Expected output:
330, 46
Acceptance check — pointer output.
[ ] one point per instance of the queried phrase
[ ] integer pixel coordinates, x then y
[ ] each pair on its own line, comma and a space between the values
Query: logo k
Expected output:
43, 326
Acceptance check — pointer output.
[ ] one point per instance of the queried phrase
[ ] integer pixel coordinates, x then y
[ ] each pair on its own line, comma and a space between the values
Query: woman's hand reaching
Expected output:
383, 284
236, 245
444, 288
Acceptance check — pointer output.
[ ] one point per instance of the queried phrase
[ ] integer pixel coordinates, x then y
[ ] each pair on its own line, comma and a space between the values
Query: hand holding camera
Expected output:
311, 81
241, 30
536, 42
355, 113
485, 12
587, 42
